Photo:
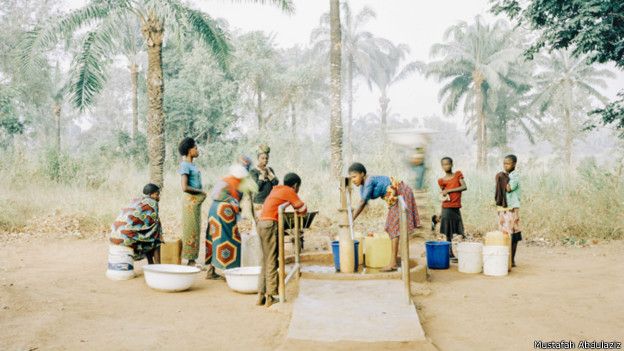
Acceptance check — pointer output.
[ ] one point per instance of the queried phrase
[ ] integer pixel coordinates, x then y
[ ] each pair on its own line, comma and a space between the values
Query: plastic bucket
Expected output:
495, 260
470, 256
336, 252
438, 254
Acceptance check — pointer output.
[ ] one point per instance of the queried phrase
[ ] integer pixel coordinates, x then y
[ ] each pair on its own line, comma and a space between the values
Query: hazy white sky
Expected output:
416, 23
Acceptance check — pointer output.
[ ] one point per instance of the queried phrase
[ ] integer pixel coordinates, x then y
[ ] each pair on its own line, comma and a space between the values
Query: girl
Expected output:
135, 234
389, 189
265, 178
193, 198
508, 203
451, 187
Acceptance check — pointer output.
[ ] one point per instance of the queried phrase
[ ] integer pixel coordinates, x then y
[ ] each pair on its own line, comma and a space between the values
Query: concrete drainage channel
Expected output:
319, 265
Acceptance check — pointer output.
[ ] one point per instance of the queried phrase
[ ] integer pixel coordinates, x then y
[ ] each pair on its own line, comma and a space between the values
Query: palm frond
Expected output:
206, 28
49, 33
89, 69
285, 5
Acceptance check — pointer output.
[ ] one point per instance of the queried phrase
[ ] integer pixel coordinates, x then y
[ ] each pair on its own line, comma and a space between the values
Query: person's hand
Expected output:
444, 192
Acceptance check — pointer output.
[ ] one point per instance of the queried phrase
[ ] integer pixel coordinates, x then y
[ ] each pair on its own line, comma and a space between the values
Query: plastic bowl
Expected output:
169, 277
243, 279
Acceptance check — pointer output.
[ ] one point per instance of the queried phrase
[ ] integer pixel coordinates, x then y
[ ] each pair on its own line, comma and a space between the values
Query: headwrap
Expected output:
263, 149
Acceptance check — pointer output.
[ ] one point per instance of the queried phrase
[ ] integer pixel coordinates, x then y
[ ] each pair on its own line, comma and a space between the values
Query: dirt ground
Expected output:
54, 296
555, 293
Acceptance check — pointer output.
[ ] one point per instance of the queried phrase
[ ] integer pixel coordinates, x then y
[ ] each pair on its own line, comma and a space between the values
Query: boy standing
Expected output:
267, 230
509, 206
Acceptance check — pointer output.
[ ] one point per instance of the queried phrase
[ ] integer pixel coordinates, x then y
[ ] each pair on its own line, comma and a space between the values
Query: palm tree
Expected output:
566, 86
361, 53
132, 46
103, 18
390, 73
474, 57
335, 60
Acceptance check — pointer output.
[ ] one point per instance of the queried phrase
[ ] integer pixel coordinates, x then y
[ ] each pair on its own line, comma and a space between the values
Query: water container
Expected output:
498, 238
470, 256
171, 252
120, 263
378, 250
438, 254
360, 253
336, 252
495, 260
251, 250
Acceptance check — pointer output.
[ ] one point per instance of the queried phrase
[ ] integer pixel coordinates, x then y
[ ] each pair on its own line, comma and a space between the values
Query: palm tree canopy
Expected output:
104, 18
470, 52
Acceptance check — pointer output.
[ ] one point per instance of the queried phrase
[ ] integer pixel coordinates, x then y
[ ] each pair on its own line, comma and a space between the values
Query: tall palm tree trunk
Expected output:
384, 102
259, 109
349, 133
481, 129
335, 88
134, 82
568, 140
56, 109
153, 31
293, 120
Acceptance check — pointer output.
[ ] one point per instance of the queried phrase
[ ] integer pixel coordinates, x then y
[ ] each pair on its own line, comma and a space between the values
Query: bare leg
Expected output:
157, 255
393, 260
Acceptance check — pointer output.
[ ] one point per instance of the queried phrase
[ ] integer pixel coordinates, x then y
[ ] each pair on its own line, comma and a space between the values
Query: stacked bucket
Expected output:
493, 257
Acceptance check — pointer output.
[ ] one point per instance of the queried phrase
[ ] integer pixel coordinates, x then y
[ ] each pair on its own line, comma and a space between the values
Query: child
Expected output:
193, 198
389, 189
508, 183
267, 230
135, 234
451, 187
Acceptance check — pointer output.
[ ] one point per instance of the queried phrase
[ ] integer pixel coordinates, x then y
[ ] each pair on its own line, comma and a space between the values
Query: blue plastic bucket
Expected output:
336, 252
438, 254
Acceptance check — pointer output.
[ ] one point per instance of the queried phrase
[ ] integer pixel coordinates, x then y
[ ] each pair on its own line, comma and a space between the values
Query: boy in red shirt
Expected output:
267, 230
451, 187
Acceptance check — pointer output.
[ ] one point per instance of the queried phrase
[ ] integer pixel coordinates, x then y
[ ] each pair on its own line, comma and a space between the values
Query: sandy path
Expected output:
554, 294
56, 297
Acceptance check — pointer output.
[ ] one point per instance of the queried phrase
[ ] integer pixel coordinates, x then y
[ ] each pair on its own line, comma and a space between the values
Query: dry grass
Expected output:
556, 205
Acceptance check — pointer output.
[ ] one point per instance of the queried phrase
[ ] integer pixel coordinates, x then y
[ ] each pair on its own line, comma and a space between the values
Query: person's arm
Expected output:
513, 183
295, 201
272, 178
189, 189
359, 209
462, 187
367, 194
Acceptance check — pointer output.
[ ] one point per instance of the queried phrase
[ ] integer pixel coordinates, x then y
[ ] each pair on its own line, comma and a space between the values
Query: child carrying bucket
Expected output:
508, 203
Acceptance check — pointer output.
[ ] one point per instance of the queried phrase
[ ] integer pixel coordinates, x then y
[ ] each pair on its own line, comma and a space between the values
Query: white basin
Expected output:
410, 137
243, 279
169, 277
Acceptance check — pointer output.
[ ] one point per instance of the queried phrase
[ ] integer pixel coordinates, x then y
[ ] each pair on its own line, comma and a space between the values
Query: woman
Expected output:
194, 196
223, 241
264, 177
389, 189
135, 235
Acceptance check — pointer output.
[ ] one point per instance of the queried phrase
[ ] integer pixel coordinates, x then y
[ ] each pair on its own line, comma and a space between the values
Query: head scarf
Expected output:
263, 149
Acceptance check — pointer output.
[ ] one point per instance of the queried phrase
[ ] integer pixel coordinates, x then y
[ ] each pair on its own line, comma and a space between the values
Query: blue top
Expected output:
374, 187
194, 176
513, 197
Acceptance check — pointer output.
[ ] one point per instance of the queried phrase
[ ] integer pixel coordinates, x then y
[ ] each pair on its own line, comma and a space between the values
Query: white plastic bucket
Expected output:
470, 257
120, 263
495, 260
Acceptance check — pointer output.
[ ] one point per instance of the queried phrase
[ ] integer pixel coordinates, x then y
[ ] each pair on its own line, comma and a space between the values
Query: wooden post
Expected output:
281, 287
404, 241
298, 225
346, 249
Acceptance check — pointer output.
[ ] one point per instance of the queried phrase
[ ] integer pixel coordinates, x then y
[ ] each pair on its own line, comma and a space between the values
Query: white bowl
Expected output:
243, 279
169, 277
